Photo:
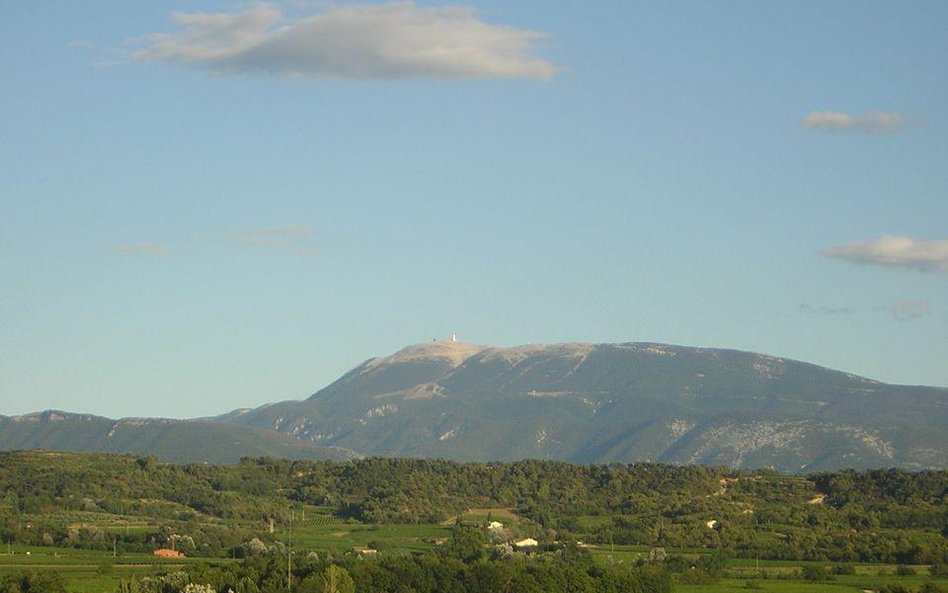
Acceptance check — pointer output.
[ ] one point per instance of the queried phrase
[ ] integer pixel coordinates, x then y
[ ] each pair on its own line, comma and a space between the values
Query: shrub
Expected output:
815, 572
48, 582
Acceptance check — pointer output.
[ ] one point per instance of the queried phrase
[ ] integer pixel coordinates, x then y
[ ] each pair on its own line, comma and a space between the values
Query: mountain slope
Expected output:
172, 440
617, 402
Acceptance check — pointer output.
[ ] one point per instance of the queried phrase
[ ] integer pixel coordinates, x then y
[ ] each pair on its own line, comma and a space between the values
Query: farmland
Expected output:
95, 521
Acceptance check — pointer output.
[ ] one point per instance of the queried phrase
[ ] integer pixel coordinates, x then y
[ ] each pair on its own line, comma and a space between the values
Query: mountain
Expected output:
605, 403
583, 403
172, 440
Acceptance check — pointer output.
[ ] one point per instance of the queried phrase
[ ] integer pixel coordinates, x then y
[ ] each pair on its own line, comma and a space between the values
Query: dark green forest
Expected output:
887, 515
137, 504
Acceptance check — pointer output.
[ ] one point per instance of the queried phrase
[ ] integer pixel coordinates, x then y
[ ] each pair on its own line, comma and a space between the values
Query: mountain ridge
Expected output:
166, 438
575, 402
633, 401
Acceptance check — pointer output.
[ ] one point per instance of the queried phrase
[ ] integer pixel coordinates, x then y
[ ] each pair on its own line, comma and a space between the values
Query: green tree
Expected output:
467, 543
334, 579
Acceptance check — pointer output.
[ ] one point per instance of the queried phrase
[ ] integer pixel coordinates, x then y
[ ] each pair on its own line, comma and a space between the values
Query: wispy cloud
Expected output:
822, 310
289, 238
909, 310
896, 252
870, 123
365, 41
143, 249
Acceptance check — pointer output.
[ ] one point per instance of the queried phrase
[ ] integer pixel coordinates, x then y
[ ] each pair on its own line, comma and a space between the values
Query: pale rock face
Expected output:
653, 349
422, 391
769, 367
679, 427
516, 354
380, 411
454, 353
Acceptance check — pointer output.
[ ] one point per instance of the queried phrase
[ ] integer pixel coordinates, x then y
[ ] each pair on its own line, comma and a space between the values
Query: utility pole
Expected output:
289, 553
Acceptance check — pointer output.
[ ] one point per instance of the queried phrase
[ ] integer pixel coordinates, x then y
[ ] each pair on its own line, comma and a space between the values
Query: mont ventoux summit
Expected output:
582, 403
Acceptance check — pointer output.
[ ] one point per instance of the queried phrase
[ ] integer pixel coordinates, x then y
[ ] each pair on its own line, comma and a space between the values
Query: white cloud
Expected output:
908, 310
290, 238
143, 249
823, 310
896, 252
873, 122
365, 41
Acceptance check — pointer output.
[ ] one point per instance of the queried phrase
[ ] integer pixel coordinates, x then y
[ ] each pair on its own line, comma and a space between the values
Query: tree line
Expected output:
886, 515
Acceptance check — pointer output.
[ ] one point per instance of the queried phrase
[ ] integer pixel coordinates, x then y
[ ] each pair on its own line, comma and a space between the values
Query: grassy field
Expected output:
736, 585
506, 516
857, 583
86, 571
98, 571
341, 537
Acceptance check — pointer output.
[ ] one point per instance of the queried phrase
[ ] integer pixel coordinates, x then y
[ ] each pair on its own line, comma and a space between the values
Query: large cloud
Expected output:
398, 40
892, 251
876, 121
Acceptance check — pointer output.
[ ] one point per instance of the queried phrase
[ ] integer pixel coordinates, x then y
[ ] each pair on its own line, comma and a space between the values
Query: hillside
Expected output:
617, 402
78, 500
171, 440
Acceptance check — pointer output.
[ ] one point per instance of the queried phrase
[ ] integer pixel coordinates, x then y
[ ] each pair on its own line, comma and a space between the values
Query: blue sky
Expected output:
212, 205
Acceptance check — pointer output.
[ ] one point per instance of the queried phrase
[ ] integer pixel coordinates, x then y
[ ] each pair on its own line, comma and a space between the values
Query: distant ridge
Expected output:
617, 402
171, 440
